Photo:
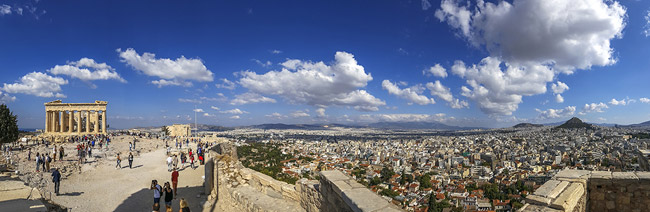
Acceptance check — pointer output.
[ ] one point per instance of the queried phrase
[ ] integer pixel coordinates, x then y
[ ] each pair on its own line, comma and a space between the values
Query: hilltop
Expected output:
527, 125
575, 123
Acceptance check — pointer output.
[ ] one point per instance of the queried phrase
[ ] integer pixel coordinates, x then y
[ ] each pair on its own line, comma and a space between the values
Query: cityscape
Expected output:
278, 106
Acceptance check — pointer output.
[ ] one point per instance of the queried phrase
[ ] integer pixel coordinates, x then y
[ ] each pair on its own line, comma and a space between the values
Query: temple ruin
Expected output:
69, 119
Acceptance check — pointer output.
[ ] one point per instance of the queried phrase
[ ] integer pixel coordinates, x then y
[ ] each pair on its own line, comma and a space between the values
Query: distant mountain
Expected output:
553, 124
575, 123
605, 124
280, 126
416, 126
644, 124
527, 125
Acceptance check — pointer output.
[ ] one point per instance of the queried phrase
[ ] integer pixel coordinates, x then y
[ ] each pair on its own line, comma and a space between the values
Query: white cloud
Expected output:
644, 100
234, 111
556, 113
617, 102
227, 84
5, 9
439, 117
321, 112
263, 64
198, 110
250, 98
6, 98
444, 93
276, 116
37, 84
234, 117
299, 114
208, 115
214, 108
559, 87
200, 100
559, 98
275, 51
568, 34
499, 92
172, 72
646, 28
316, 84
436, 70
426, 4
82, 70
593, 107
413, 94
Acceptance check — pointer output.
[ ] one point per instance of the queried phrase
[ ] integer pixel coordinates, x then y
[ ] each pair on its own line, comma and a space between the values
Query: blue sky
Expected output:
237, 63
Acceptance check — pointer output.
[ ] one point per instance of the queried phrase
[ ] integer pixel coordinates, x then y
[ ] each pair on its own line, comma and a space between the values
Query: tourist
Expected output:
54, 153
175, 180
157, 191
169, 195
29, 154
118, 161
130, 146
56, 178
38, 161
192, 161
184, 206
43, 162
169, 163
175, 161
48, 160
61, 152
130, 160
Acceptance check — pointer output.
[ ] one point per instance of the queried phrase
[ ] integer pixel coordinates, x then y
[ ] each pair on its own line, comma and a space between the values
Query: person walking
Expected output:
48, 160
192, 161
184, 206
169, 163
169, 196
56, 178
175, 161
54, 153
38, 161
130, 160
61, 152
157, 191
29, 154
175, 180
119, 160
130, 146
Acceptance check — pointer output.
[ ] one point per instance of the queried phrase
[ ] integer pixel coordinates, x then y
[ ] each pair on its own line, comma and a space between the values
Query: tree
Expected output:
165, 130
8, 125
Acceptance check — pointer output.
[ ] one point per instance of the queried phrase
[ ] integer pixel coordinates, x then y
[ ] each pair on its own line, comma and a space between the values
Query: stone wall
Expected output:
582, 190
233, 187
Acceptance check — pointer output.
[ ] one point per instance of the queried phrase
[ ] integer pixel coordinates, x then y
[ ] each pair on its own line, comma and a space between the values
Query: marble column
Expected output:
70, 121
47, 121
78, 115
104, 130
96, 130
87, 121
57, 121
52, 121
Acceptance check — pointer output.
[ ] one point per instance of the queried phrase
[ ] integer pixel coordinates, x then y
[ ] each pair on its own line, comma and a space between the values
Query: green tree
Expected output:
375, 181
425, 181
165, 130
8, 125
386, 174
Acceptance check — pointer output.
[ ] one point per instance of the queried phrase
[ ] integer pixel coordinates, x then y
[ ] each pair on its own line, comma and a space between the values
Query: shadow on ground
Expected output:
143, 200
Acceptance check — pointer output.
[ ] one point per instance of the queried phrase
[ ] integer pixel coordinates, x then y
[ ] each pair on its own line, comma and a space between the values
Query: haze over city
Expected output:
468, 64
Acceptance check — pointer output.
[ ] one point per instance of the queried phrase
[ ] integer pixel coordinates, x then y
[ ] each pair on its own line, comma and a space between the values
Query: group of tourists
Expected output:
170, 193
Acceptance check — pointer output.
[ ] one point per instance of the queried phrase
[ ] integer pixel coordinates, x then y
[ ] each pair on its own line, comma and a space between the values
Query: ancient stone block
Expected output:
568, 199
551, 188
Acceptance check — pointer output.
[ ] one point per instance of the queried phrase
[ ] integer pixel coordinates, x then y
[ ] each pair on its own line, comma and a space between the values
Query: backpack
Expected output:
49, 159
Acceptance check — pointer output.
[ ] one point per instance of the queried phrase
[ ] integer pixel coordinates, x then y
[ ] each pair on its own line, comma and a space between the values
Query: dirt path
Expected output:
102, 187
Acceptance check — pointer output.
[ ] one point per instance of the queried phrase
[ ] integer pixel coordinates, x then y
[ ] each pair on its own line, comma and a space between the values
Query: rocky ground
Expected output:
98, 186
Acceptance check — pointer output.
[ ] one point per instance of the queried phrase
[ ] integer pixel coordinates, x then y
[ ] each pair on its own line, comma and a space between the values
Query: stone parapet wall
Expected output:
582, 190
342, 193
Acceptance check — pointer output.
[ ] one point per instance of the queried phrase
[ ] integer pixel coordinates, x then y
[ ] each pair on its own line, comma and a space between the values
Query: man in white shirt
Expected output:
169, 163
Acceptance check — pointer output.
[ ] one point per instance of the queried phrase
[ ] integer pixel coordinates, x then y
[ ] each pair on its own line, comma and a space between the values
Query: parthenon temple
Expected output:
66, 119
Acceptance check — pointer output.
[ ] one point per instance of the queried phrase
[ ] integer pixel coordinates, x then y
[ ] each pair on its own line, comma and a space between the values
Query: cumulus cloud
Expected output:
559, 98
321, 112
227, 84
559, 87
198, 110
593, 107
499, 92
275, 51
263, 64
176, 72
556, 113
644, 100
436, 70
413, 94
87, 69
6, 98
250, 98
234, 111
234, 117
444, 93
532, 41
276, 116
617, 102
569, 34
299, 114
426, 4
317, 84
404, 117
214, 107
37, 84
209, 115
5, 9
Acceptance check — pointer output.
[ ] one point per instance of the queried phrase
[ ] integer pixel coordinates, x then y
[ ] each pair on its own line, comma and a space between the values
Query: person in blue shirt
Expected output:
56, 178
